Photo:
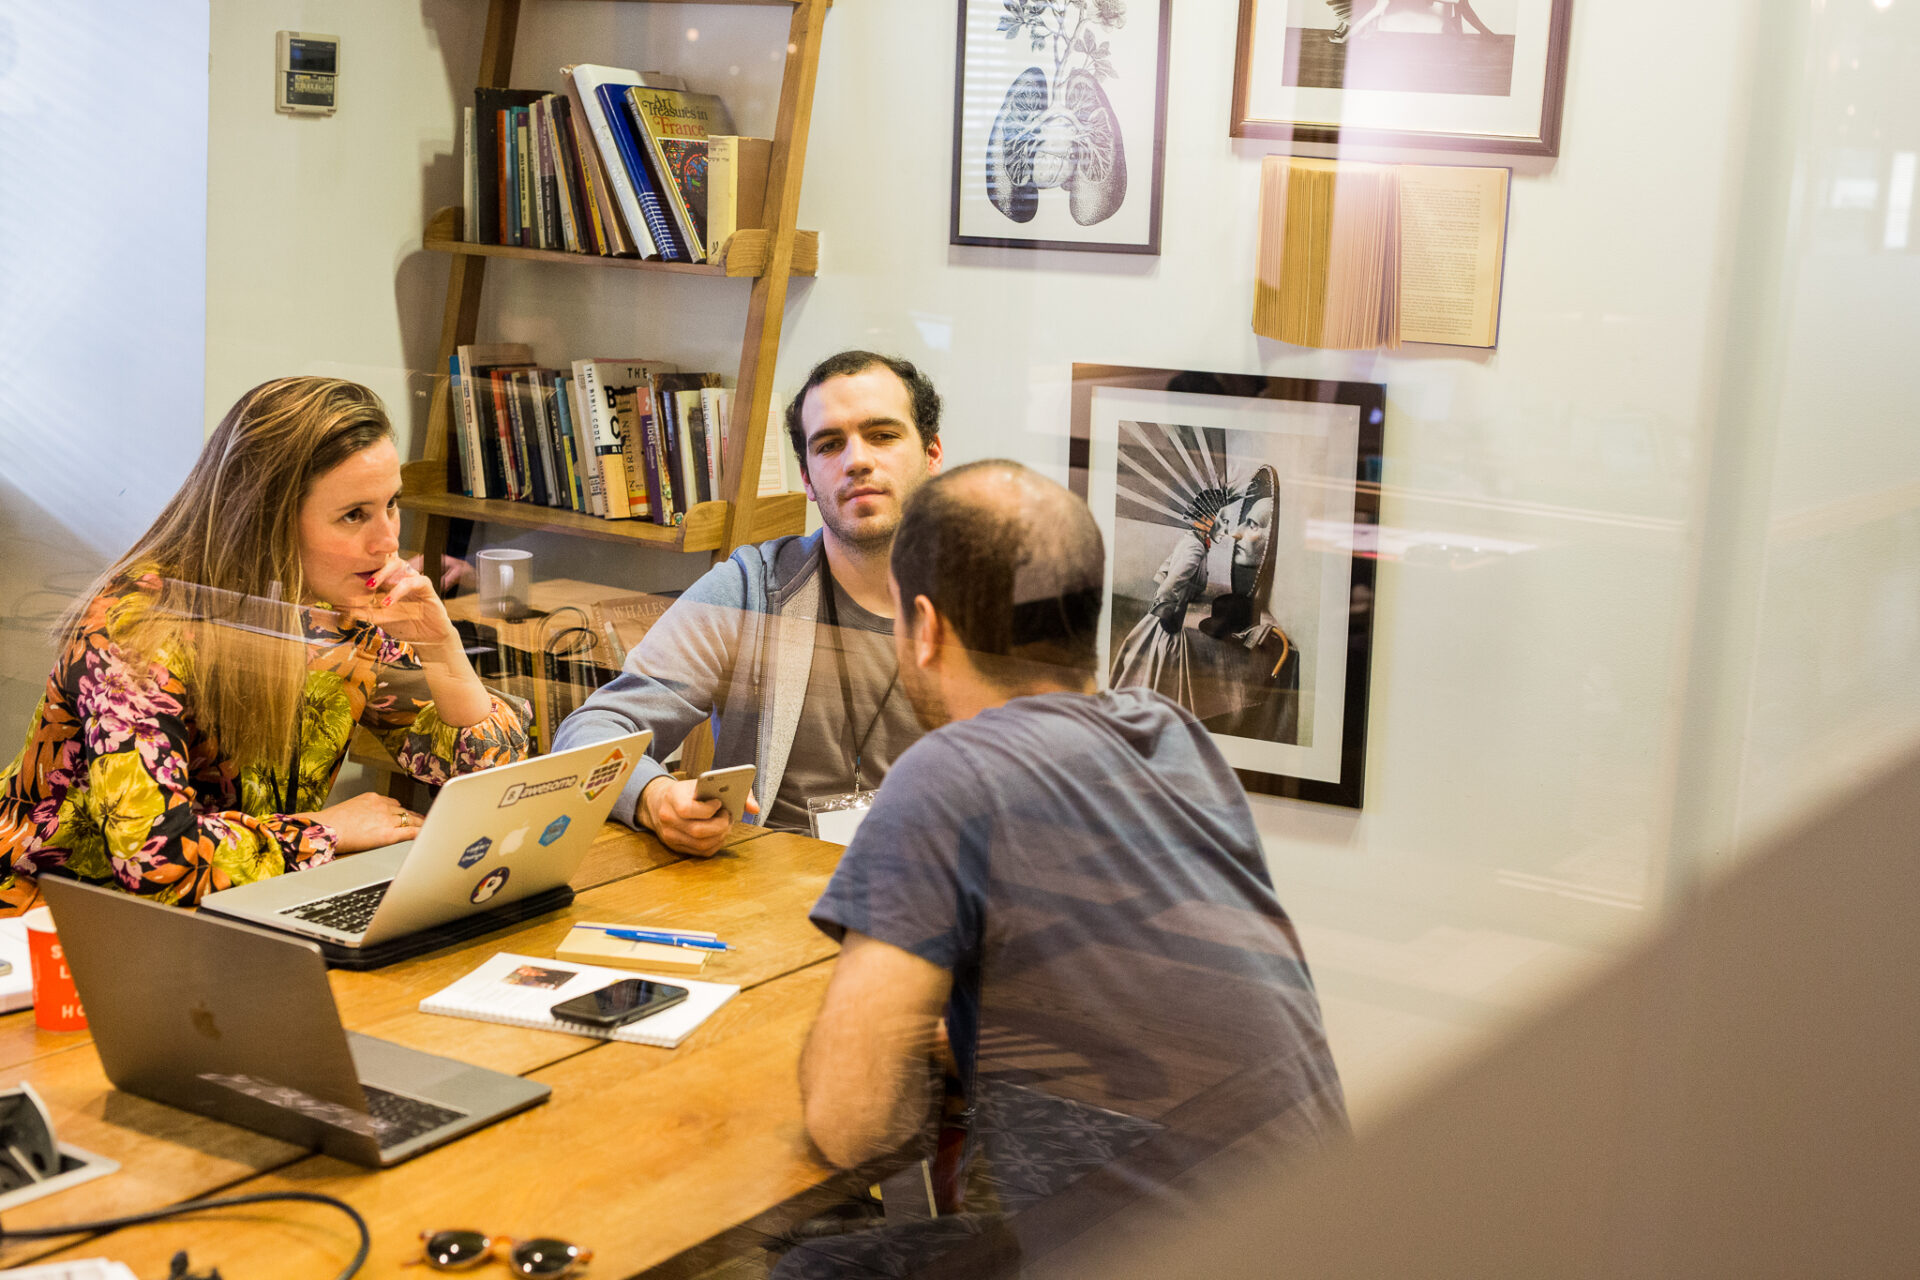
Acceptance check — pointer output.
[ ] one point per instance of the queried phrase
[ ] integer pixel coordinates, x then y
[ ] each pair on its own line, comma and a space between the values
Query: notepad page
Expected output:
521, 991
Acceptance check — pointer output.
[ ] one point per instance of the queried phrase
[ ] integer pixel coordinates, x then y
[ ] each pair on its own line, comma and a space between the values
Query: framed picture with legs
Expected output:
1477, 75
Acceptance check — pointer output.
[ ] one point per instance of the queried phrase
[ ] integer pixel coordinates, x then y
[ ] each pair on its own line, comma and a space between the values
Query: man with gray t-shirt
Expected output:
784, 646
1060, 892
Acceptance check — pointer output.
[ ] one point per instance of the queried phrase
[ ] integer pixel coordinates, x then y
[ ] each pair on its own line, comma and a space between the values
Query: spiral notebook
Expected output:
520, 991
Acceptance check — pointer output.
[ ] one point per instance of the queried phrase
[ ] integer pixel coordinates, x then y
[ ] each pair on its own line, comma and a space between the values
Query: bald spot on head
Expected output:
1014, 563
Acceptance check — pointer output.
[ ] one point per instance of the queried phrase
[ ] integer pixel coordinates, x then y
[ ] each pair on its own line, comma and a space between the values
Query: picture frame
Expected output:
1059, 124
1257, 618
1477, 75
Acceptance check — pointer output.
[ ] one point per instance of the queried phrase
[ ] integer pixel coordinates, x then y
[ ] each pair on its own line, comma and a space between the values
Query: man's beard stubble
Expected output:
923, 695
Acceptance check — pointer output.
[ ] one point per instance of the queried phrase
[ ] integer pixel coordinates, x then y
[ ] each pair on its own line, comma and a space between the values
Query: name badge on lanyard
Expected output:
836, 818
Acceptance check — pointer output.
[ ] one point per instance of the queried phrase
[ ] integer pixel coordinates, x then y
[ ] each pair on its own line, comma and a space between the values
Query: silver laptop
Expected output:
493, 839
239, 1024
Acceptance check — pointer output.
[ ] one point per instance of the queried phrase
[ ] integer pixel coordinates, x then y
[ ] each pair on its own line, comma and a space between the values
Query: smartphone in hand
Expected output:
627, 1000
729, 786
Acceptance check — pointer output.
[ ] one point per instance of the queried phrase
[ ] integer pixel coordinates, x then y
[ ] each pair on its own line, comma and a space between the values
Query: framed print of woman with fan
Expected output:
1239, 513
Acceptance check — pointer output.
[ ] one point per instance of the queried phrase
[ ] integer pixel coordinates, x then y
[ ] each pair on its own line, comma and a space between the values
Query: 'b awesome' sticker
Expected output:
528, 790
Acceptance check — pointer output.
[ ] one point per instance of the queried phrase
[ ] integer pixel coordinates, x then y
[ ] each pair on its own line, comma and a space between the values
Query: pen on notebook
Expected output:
651, 929
667, 939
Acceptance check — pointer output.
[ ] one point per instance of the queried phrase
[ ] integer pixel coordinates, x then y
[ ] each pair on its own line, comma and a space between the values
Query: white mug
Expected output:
506, 584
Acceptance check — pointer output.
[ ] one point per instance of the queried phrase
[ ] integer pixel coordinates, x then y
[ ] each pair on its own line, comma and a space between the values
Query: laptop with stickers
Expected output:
496, 847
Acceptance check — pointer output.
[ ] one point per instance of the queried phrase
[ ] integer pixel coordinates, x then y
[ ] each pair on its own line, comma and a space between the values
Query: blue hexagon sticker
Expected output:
474, 852
555, 829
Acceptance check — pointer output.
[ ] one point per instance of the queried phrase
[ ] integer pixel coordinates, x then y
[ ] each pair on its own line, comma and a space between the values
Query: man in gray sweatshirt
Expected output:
787, 646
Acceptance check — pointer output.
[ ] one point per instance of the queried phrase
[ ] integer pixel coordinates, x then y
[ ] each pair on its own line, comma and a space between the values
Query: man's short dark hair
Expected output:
1014, 563
926, 401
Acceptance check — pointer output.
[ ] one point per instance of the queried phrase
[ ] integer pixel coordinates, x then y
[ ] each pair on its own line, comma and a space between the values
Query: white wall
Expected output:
1527, 710
103, 160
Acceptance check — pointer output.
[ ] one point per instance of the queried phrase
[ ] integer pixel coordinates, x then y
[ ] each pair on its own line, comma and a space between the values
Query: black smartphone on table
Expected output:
627, 1000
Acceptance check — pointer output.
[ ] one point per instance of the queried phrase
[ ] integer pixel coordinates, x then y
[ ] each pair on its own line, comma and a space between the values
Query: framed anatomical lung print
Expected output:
1241, 515
1059, 124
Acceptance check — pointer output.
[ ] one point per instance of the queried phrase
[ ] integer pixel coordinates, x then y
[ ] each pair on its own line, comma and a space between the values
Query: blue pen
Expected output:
666, 939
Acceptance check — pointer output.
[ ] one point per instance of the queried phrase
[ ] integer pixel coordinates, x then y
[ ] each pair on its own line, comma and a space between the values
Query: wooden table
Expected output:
641, 1155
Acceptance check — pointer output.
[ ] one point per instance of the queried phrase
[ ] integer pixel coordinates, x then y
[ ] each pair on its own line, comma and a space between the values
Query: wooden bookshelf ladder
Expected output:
430, 485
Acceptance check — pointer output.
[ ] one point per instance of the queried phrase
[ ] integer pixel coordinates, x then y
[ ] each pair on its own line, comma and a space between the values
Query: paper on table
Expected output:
521, 991
78, 1269
16, 986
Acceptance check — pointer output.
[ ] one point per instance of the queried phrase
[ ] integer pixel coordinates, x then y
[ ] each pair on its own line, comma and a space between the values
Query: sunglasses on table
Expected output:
542, 1259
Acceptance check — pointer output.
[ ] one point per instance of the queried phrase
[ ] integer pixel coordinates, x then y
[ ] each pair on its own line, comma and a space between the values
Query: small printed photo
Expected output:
532, 975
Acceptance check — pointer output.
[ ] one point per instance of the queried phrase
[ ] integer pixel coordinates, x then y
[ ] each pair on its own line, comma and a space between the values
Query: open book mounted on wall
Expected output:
1355, 256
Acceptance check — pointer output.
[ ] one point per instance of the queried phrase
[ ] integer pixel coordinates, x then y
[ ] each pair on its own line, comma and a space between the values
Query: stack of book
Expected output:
618, 439
616, 165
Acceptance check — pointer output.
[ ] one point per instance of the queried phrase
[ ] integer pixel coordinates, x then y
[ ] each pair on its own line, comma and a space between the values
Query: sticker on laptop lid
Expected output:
474, 852
490, 884
555, 829
530, 790
604, 773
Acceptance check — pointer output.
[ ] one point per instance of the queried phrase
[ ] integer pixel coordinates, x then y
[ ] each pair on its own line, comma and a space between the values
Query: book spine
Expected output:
609, 455
475, 456
486, 169
716, 437
606, 216
456, 427
723, 190
550, 204
584, 393
553, 439
563, 428
503, 432
582, 446
503, 177
524, 173
665, 177
620, 113
701, 448
537, 176
686, 481
641, 497
473, 390
526, 389
615, 168
660, 432
538, 429
666, 431
571, 232
469, 180
642, 482
586, 219
517, 439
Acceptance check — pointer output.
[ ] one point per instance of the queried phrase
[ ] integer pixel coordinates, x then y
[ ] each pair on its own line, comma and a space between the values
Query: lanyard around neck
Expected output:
859, 745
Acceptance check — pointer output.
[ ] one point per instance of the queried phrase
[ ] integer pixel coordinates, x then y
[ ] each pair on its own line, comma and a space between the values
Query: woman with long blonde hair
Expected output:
208, 682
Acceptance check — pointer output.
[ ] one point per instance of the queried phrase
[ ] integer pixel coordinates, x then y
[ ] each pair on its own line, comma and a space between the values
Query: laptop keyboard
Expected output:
348, 912
404, 1118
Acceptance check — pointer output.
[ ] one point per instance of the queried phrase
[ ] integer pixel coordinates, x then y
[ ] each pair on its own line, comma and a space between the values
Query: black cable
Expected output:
195, 1206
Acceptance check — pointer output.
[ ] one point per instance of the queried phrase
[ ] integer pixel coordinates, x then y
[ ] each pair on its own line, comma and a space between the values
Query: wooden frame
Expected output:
1258, 619
1062, 155
1404, 88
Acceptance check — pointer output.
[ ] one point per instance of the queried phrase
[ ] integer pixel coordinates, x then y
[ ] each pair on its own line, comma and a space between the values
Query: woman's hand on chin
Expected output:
405, 606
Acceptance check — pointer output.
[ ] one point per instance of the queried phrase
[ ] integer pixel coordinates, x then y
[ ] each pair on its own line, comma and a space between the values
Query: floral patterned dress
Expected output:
118, 785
